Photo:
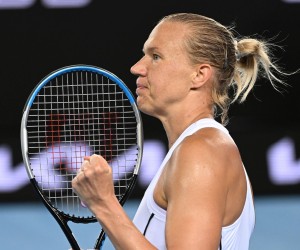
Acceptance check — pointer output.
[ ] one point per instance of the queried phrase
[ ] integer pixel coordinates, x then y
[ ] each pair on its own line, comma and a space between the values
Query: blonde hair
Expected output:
238, 62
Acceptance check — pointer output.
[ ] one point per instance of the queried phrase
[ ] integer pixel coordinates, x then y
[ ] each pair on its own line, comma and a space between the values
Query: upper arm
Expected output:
196, 190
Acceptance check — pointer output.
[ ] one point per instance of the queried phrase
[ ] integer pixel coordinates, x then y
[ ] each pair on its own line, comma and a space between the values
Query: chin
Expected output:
145, 107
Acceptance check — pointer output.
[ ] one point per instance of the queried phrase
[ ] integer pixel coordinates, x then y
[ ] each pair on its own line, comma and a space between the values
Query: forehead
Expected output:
166, 35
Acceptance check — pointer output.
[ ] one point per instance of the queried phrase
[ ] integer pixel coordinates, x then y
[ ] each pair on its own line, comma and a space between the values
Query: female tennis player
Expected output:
192, 69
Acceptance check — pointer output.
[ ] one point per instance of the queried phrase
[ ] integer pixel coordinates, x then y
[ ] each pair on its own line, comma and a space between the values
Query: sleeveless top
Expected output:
150, 219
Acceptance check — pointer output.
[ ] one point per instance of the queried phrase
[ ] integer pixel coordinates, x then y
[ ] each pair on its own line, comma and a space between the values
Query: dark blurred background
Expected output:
40, 36
37, 38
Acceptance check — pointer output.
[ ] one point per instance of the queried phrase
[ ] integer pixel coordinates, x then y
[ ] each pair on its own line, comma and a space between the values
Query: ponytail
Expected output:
253, 58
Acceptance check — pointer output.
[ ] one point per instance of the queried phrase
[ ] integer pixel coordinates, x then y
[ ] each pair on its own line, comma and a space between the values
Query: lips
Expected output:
139, 88
139, 85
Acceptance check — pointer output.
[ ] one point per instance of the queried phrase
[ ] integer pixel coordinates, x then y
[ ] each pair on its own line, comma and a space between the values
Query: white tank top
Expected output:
150, 219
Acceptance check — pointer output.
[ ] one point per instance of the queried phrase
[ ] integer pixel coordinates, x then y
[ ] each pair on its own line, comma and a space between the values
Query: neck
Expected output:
175, 125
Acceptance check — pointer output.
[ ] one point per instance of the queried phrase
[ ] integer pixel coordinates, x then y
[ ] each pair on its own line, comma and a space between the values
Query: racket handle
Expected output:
100, 240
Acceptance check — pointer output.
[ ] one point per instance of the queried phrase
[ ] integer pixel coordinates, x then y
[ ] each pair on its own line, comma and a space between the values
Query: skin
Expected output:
205, 173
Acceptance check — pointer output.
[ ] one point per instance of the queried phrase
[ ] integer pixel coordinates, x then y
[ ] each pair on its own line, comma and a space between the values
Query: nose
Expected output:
138, 68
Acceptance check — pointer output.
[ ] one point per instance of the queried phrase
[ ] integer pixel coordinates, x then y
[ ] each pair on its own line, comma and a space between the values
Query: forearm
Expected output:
119, 228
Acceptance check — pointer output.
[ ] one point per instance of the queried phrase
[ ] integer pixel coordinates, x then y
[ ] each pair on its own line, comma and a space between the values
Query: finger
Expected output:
81, 169
85, 164
98, 160
86, 158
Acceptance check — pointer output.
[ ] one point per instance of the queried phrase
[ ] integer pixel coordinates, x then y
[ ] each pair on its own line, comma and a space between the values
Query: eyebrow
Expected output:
149, 49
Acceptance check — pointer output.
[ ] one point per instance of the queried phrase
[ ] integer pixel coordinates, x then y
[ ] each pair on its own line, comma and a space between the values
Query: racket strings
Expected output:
79, 114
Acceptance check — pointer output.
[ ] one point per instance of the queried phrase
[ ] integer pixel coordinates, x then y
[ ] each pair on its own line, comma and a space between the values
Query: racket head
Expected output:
77, 111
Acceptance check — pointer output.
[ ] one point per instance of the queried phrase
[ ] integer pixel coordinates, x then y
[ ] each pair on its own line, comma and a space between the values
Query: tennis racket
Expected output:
73, 112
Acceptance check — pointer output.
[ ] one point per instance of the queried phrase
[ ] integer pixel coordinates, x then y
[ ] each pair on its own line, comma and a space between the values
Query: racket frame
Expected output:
62, 218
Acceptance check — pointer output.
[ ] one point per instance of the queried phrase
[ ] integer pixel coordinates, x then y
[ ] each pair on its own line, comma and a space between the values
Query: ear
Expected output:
202, 75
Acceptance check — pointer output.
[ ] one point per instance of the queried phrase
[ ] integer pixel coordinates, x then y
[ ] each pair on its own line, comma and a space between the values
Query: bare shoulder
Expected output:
206, 168
208, 158
209, 146
206, 174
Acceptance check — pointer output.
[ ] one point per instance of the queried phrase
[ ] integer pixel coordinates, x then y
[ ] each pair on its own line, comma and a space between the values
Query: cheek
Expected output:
160, 91
157, 84
168, 84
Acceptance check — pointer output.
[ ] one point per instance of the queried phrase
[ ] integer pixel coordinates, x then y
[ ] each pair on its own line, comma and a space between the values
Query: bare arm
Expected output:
196, 191
94, 186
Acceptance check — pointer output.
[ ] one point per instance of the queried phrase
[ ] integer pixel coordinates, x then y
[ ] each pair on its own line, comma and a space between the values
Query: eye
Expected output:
155, 57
